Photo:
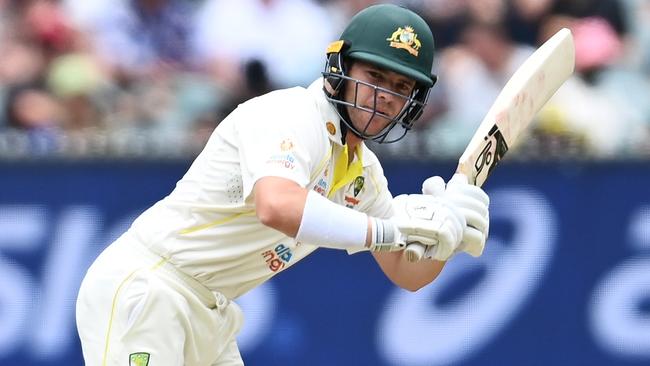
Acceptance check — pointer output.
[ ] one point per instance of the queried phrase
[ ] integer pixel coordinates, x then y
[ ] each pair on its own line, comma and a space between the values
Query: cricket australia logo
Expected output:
358, 185
494, 150
139, 359
405, 38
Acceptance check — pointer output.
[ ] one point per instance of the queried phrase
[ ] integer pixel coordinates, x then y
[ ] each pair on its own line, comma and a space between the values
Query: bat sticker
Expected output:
488, 157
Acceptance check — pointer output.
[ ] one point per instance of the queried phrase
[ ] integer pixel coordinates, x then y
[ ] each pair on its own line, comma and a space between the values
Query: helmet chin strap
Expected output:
343, 114
342, 111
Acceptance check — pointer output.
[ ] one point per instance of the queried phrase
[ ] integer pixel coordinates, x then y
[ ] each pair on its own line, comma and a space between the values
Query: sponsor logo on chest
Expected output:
322, 184
277, 258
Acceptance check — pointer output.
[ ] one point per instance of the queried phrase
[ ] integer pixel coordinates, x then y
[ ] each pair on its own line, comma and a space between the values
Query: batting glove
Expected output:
472, 202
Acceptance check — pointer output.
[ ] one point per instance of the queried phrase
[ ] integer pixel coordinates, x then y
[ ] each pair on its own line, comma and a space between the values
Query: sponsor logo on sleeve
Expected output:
286, 161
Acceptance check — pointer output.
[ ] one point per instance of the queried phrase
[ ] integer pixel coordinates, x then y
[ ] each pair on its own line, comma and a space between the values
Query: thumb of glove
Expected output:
434, 186
459, 179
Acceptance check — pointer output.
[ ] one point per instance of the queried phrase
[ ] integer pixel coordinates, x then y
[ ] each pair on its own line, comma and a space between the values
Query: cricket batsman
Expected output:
282, 175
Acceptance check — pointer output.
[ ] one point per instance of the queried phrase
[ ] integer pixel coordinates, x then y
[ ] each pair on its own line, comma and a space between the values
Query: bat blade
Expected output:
525, 93
529, 88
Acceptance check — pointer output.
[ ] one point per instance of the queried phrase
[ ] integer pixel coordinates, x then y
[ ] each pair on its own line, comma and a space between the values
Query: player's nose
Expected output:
384, 98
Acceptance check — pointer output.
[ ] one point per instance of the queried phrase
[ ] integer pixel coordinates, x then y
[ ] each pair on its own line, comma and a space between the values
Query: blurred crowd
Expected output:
152, 78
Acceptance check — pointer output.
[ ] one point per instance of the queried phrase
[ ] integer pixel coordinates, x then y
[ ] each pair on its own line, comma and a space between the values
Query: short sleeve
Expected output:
277, 140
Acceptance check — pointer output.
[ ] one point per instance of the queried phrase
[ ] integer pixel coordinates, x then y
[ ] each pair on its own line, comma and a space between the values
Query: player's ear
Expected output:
336, 66
329, 88
336, 86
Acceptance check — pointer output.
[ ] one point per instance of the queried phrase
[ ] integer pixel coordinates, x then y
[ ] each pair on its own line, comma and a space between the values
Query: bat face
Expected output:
524, 95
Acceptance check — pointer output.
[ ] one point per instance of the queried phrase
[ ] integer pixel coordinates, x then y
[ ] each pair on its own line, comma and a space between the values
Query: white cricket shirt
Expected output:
207, 225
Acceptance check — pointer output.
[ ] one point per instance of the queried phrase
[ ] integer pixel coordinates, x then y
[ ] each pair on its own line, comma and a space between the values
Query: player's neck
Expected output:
353, 142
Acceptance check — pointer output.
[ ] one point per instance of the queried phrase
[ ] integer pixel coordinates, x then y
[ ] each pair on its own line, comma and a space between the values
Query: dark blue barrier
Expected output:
565, 279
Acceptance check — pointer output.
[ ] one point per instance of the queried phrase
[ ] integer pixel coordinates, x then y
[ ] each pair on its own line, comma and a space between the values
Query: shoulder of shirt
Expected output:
279, 98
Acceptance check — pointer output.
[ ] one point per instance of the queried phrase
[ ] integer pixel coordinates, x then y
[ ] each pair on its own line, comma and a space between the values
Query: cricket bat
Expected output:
529, 88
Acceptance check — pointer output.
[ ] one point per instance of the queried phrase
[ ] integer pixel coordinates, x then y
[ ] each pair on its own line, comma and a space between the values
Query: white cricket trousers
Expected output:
134, 308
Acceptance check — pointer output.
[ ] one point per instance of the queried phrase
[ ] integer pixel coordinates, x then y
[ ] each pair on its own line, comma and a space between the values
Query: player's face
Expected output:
388, 105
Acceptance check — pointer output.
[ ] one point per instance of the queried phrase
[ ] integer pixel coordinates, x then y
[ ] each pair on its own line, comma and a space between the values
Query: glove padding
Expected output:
429, 220
472, 202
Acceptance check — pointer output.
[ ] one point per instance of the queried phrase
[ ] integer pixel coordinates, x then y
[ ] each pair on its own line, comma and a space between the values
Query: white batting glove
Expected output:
428, 220
472, 202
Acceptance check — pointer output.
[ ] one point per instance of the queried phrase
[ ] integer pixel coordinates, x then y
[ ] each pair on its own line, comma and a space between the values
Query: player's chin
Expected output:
376, 125
376, 118
370, 123
380, 119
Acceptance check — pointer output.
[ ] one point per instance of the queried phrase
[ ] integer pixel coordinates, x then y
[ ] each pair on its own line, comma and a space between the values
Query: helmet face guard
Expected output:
392, 38
412, 108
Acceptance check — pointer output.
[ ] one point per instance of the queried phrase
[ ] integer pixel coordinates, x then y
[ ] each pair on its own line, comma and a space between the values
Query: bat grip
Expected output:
414, 252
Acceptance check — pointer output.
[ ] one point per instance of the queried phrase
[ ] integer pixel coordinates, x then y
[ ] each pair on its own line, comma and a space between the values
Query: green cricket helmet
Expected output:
393, 38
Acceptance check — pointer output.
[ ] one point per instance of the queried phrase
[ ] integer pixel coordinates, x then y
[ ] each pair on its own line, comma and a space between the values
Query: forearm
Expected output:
280, 208
310, 218
407, 275
327, 224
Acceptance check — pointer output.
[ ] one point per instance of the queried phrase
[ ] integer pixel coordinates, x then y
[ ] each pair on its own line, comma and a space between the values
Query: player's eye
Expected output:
403, 88
375, 75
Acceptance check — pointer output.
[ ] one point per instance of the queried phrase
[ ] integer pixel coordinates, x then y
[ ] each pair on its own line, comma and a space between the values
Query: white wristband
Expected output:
326, 224
383, 236
383, 231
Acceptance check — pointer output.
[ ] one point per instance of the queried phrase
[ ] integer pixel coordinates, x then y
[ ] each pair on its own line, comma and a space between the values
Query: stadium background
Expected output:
104, 104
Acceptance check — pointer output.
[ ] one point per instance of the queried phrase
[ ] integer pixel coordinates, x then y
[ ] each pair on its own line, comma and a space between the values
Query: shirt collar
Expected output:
330, 116
332, 121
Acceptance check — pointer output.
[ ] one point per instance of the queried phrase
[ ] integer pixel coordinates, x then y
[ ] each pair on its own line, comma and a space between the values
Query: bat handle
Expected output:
414, 252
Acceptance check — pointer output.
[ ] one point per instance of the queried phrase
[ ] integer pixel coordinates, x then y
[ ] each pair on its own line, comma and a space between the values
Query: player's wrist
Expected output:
384, 235
326, 224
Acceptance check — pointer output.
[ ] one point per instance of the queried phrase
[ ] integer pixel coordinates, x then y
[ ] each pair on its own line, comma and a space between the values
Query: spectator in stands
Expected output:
525, 17
138, 37
475, 72
32, 110
446, 19
287, 36
637, 16
604, 109
157, 86
175, 67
